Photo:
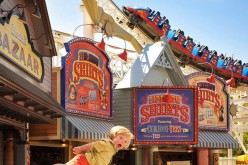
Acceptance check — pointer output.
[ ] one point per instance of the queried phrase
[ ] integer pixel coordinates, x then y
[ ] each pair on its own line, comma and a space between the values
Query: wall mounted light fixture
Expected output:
37, 13
167, 97
211, 78
21, 14
16, 10
47, 43
231, 81
133, 147
101, 45
73, 35
123, 55
22, 18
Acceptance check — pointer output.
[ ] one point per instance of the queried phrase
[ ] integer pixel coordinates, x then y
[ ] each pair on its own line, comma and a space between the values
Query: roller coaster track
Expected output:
141, 36
106, 12
144, 38
121, 19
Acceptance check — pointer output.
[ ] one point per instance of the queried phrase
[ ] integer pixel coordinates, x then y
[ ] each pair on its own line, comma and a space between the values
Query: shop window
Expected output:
46, 155
123, 157
172, 158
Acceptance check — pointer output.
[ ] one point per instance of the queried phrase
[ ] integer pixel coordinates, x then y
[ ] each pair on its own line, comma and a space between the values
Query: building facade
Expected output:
27, 47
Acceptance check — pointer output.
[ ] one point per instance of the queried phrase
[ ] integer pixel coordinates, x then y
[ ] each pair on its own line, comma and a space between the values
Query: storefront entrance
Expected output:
46, 155
124, 157
173, 158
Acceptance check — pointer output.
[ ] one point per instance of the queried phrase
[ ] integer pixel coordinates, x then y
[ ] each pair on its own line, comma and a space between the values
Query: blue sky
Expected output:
222, 25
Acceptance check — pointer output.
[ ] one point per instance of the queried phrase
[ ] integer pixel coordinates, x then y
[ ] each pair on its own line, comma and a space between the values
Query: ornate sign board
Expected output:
87, 79
15, 46
165, 115
213, 101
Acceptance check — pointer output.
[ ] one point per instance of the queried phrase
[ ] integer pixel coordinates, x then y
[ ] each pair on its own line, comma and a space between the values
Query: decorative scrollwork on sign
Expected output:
233, 110
163, 61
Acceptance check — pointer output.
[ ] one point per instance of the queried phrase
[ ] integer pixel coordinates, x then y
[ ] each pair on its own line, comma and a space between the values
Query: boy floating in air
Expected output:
101, 152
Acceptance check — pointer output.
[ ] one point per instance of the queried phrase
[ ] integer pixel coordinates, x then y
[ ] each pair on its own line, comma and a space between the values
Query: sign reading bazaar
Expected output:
16, 47
87, 79
213, 101
165, 115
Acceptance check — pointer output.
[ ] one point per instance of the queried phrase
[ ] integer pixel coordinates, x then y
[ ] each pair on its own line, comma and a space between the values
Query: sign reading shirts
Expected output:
87, 79
16, 47
165, 115
213, 101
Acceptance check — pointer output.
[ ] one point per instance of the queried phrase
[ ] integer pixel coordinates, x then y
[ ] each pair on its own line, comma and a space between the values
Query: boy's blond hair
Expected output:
117, 130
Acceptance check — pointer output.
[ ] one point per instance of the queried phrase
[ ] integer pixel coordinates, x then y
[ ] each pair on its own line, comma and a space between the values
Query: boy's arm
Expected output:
83, 148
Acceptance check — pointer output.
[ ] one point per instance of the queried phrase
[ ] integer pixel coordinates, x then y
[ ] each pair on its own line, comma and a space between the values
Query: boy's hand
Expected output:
82, 149
77, 150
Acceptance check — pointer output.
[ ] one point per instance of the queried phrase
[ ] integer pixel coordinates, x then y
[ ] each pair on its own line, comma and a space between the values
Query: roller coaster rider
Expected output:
163, 21
177, 34
152, 15
203, 48
227, 60
211, 55
156, 26
187, 41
